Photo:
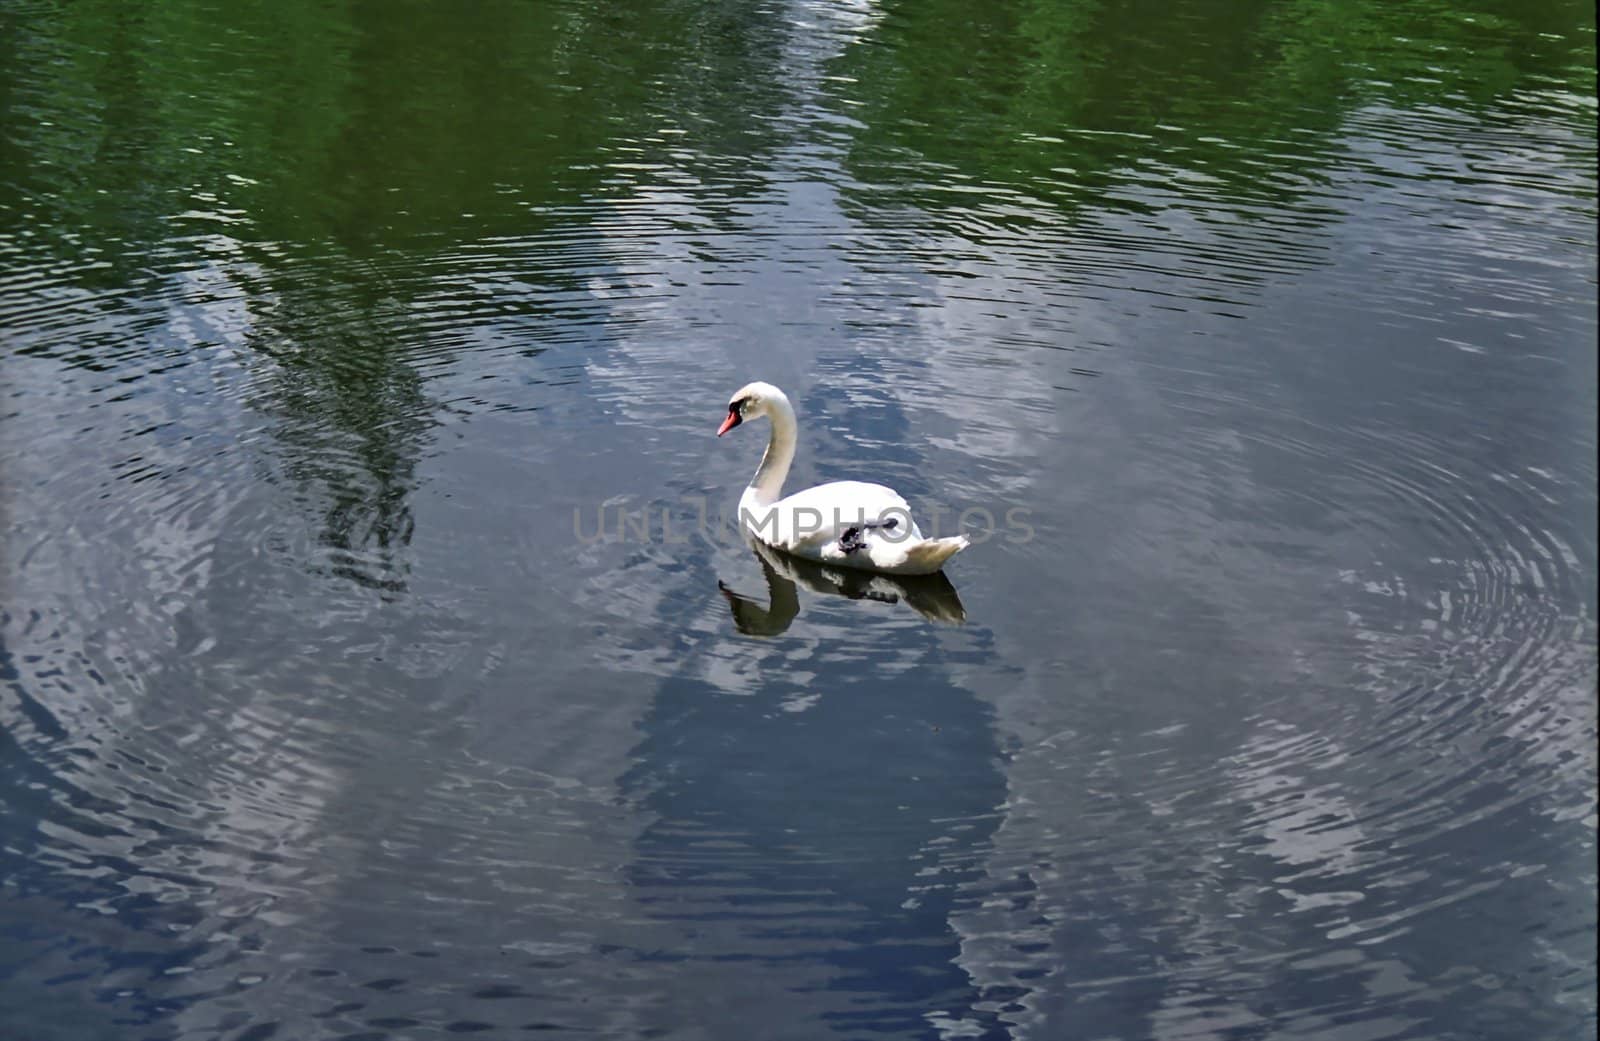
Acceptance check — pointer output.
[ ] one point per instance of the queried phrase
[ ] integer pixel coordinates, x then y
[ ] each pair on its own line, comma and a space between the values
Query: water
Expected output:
330, 329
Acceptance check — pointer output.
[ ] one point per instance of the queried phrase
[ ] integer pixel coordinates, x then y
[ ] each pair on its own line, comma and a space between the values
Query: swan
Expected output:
843, 523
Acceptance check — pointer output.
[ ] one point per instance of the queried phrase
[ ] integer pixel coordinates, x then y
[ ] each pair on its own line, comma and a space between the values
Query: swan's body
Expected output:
844, 523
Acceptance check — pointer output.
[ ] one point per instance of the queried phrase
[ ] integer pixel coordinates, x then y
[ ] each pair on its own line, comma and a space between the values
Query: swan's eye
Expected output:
738, 406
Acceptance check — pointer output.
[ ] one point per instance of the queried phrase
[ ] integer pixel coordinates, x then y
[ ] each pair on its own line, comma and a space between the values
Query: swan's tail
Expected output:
929, 556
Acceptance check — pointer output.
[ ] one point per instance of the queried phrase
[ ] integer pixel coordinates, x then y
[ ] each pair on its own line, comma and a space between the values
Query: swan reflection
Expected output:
931, 596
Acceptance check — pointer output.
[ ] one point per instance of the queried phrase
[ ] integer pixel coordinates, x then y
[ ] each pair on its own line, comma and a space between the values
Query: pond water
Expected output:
369, 671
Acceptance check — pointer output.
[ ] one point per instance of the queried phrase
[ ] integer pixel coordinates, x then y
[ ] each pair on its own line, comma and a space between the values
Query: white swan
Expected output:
843, 523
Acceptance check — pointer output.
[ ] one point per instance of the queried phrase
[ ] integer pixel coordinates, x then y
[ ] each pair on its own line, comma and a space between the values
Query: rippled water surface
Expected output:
369, 673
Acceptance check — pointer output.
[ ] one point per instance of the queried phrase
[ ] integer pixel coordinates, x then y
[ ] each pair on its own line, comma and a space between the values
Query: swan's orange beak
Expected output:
729, 423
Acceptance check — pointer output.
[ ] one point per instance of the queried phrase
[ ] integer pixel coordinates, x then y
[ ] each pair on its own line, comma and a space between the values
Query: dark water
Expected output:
325, 324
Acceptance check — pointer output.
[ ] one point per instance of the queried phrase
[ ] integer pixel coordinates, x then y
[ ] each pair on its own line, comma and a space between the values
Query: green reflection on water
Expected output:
326, 151
1059, 97
375, 124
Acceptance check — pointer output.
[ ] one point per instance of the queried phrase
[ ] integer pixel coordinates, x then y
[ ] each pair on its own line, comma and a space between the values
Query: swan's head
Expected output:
751, 401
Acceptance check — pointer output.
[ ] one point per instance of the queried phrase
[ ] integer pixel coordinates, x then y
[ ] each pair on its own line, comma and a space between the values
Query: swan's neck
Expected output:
766, 487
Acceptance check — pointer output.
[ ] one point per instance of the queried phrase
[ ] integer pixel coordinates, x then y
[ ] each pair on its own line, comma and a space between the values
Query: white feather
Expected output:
851, 524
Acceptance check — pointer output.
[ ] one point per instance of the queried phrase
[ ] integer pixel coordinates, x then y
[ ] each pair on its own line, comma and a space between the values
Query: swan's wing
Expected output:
812, 518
